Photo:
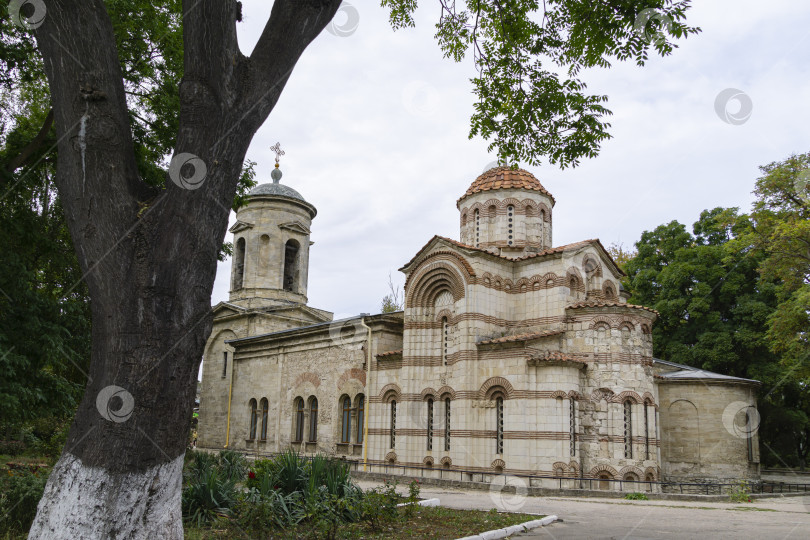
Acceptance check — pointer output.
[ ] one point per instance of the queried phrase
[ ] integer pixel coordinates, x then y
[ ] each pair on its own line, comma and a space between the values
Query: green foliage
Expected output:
20, 492
636, 497
528, 55
379, 506
233, 465
209, 495
740, 492
734, 297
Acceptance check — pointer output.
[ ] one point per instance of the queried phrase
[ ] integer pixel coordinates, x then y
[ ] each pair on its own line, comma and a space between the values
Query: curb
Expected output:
514, 529
426, 502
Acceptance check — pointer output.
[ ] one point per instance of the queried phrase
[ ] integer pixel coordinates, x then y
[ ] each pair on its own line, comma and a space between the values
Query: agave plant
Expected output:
233, 465
208, 496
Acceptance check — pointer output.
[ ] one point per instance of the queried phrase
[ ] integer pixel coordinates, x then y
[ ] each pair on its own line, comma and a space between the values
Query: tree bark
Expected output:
149, 255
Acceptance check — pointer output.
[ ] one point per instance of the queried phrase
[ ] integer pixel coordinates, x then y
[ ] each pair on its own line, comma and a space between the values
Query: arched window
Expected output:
646, 432
299, 419
253, 419
346, 421
572, 426
477, 217
393, 424
499, 425
238, 264
313, 419
291, 249
445, 340
628, 429
447, 424
430, 424
263, 406
361, 414
573, 285
510, 214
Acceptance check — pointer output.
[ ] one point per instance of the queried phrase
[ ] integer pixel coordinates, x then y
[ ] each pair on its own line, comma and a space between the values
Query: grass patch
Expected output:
425, 523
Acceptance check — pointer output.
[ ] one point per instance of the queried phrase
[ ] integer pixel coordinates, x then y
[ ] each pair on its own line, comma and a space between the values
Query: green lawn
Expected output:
433, 523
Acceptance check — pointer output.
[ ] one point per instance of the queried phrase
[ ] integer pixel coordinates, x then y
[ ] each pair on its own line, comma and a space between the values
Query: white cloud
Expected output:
385, 172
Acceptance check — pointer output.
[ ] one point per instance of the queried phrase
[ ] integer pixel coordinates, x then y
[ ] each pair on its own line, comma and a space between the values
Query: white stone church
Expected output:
512, 356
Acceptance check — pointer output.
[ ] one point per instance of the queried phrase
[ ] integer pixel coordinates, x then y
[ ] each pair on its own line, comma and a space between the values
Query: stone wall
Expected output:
706, 437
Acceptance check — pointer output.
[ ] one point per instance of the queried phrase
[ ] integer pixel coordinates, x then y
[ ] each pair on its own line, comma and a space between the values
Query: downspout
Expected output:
369, 365
230, 394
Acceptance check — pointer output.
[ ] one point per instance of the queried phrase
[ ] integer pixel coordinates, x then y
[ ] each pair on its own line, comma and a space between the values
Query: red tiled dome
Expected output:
506, 178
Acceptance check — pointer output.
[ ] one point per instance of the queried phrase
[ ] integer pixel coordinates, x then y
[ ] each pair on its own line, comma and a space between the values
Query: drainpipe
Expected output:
230, 394
369, 365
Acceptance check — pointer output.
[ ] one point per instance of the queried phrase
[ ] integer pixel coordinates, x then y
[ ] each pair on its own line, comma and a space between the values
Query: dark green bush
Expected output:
20, 493
12, 448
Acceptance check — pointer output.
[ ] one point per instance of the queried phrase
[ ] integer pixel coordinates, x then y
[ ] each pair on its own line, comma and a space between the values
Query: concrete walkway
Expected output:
786, 518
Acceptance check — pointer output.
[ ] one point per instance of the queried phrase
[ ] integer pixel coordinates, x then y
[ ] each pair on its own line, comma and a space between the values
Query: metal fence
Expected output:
563, 482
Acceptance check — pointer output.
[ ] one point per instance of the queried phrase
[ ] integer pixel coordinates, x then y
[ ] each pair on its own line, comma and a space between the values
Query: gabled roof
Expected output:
689, 373
600, 303
541, 254
223, 306
520, 337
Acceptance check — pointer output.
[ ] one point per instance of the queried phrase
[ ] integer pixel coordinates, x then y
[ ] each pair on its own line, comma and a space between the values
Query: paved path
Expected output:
782, 518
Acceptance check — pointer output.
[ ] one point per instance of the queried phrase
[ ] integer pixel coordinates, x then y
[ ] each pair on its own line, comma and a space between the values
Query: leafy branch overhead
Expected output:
529, 55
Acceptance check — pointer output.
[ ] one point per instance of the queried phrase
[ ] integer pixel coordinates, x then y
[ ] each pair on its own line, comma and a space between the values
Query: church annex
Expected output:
512, 356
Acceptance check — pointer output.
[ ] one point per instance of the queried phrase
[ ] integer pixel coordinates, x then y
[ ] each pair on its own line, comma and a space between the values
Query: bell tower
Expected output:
271, 245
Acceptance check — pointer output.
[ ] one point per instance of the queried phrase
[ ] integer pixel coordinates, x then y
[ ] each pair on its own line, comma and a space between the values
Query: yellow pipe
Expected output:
230, 393
368, 396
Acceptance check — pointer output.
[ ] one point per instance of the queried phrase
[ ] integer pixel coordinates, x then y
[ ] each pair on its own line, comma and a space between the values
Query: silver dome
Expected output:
277, 189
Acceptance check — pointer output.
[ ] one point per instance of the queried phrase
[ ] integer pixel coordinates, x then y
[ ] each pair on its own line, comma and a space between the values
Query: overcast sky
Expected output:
375, 124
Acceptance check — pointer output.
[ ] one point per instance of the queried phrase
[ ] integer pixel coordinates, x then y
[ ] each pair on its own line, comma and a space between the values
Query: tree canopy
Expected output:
734, 297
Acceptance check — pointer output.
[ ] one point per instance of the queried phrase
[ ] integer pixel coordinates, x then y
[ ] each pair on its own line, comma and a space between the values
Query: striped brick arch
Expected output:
492, 385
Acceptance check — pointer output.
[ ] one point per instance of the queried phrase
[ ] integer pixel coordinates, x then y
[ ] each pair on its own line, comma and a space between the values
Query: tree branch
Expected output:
36, 143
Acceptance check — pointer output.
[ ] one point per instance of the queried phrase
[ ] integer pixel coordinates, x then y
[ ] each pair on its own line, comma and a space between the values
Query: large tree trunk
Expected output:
149, 255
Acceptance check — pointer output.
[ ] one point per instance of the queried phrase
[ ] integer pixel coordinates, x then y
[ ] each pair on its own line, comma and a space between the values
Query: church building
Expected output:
511, 356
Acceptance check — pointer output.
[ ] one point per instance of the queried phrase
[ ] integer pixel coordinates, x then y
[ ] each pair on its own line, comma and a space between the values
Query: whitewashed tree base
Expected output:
90, 502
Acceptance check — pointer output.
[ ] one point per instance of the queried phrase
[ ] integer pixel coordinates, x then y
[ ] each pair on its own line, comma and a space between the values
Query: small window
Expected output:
430, 424
646, 432
445, 340
346, 422
572, 426
628, 429
313, 419
299, 419
499, 425
263, 406
361, 414
393, 432
224, 364
253, 419
447, 424
291, 249
238, 264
